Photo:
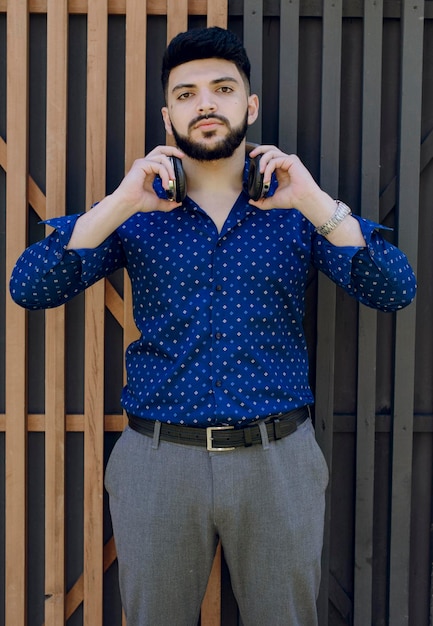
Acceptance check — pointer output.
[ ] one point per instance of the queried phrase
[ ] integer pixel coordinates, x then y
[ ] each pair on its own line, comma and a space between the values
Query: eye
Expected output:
184, 95
225, 89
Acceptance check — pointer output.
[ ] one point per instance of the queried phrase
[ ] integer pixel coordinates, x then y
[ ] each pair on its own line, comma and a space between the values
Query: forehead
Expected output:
203, 71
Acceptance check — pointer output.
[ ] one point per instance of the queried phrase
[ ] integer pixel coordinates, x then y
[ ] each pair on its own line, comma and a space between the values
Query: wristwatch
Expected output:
340, 213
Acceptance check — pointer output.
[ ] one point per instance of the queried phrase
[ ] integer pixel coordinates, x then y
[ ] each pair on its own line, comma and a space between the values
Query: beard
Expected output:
223, 149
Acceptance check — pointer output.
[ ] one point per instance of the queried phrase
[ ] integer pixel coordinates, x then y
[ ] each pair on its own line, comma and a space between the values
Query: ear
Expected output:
167, 121
253, 108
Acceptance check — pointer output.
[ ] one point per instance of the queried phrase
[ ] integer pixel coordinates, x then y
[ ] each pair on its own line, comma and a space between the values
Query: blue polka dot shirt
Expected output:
219, 314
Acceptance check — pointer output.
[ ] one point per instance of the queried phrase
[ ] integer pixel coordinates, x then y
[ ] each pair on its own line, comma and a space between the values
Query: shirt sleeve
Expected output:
378, 275
47, 274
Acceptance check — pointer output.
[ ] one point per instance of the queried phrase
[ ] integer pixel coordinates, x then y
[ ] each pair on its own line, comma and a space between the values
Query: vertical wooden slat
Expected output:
97, 25
253, 42
329, 172
135, 80
408, 219
135, 108
217, 13
367, 322
177, 22
288, 76
16, 378
177, 17
57, 43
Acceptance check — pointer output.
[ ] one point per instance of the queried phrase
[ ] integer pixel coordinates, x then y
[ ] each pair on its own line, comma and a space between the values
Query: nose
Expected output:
206, 103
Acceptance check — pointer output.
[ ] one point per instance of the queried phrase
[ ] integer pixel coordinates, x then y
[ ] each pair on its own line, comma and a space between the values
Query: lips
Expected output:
208, 122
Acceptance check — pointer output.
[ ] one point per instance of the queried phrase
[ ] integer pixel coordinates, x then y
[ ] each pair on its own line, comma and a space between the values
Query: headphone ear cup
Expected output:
180, 180
255, 179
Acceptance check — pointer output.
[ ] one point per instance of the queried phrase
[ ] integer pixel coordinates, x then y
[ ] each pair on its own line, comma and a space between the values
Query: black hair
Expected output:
205, 43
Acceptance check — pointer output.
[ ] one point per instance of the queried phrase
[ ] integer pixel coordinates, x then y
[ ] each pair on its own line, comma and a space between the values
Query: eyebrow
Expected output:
216, 81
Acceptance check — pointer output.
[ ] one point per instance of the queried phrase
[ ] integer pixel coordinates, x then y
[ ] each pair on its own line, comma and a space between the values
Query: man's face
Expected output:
208, 108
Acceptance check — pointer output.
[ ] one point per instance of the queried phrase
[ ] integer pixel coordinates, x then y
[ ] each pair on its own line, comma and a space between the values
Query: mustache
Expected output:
213, 116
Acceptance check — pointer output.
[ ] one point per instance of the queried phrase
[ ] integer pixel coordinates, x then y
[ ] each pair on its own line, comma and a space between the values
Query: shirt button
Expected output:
218, 383
218, 335
218, 287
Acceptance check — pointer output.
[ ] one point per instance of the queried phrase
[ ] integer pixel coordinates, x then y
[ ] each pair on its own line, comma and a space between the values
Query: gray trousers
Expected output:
171, 503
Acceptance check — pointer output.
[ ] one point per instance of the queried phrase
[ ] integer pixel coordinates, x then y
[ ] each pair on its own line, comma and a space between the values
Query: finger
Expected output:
156, 165
279, 163
163, 155
260, 149
270, 159
165, 150
264, 204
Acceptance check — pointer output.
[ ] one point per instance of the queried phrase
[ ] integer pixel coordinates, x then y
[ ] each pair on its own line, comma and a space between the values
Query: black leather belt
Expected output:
223, 438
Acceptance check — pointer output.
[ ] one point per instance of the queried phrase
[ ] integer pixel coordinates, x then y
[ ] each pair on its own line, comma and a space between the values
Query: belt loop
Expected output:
277, 428
156, 434
248, 440
264, 435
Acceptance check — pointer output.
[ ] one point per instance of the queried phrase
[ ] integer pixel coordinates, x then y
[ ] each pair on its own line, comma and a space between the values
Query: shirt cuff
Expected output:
63, 227
340, 258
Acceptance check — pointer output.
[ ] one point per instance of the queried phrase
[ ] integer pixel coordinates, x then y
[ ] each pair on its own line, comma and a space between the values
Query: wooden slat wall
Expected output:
88, 590
401, 196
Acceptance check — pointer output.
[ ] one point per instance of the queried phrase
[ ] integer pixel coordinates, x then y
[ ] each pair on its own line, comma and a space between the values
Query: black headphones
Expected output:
256, 189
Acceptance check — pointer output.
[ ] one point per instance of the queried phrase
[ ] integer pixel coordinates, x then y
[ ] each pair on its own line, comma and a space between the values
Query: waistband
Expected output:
224, 438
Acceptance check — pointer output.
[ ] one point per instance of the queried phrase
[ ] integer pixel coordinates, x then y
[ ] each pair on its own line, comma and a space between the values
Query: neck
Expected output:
215, 185
215, 177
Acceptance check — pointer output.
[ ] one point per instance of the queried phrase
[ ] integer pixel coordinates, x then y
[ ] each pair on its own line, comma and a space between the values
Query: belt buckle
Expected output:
209, 438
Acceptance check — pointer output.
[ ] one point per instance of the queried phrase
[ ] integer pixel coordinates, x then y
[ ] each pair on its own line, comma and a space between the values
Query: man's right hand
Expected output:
135, 193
